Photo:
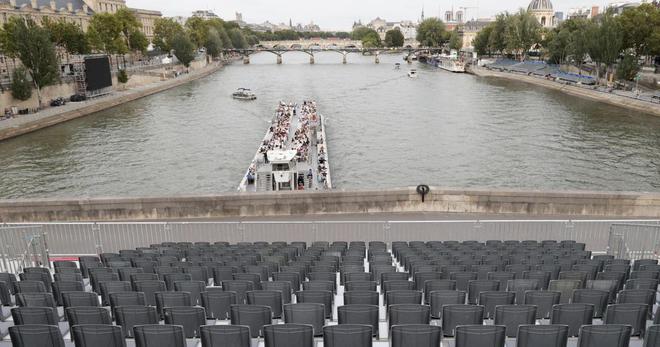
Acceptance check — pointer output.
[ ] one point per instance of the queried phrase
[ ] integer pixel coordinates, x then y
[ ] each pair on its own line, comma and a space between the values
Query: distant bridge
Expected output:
278, 51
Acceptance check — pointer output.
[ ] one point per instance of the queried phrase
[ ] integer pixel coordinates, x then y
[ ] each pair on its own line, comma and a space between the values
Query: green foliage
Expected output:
627, 68
164, 31
213, 43
481, 41
198, 29
605, 39
184, 48
105, 34
122, 76
522, 31
31, 44
394, 38
21, 87
139, 42
432, 33
360, 32
238, 39
371, 40
69, 36
639, 25
131, 27
455, 41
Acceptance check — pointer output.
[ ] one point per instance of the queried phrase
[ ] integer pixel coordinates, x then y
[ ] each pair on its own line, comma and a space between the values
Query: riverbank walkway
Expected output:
50, 116
643, 103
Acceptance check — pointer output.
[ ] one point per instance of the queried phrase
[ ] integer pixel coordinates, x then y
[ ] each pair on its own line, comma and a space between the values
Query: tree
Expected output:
139, 42
184, 48
371, 40
198, 29
605, 39
394, 38
558, 44
66, 35
522, 32
481, 41
21, 87
497, 39
639, 24
165, 29
213, 43
455, 41
122, 76
431, 33
627, 68
31, 44
130, 26
360, 32
105, 34
237, 39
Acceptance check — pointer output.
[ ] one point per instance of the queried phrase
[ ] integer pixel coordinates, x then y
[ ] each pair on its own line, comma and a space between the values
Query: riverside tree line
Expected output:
616, 44
39, 45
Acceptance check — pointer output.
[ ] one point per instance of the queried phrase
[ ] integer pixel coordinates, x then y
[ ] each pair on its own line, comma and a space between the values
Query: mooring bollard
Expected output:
422, 190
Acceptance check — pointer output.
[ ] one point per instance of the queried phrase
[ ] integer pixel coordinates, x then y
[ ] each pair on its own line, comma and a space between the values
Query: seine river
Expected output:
384, 130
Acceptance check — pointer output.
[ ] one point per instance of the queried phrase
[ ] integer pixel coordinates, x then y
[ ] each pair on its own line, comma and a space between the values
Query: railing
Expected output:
22, 246
634, 240
94, 238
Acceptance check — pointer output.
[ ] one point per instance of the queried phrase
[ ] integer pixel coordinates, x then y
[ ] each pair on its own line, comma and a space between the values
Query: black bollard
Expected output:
422, 190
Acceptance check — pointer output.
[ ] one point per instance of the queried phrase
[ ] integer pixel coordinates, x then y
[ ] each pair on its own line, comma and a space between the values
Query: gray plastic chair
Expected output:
489, 300
455, 315
318, 297
87, 315
60, 287
652, 337
225, 336
480, 336
195, 288
149, 288
633, 315
542, 336
439, 298
359, 314
396, 297
360, 286
306, 313
476, 287
71, 299
282, 286
565, 287
610, 335
511, 316
36, 335
155, 335
34, 315
270, 298
417, 335
190, 318
92, 335
637, 296
129, 316
409, 314
361, 297
598, 298
108, 288
572, 315
171, 299
543, 300
288, 335
253, 316
520, 286
218, 303
347, 335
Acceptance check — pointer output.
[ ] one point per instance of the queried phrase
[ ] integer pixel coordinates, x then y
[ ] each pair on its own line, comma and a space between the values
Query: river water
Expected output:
384, 130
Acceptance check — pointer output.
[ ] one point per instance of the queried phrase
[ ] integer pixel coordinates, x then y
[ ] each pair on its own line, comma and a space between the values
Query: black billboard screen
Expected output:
97, 73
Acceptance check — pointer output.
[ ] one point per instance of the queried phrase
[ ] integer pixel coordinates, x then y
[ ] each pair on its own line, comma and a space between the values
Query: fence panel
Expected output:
634, 240
22, 246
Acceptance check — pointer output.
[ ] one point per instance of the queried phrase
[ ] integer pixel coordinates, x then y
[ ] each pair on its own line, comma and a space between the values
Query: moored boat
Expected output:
244, 94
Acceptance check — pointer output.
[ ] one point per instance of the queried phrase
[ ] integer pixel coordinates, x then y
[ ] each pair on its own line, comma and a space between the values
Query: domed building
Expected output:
542, 10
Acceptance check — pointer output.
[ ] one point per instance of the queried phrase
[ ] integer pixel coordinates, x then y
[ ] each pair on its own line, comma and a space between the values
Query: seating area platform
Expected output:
336, 294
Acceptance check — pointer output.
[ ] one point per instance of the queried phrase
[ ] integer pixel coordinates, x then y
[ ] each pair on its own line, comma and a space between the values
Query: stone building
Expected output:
542, 10
148, 20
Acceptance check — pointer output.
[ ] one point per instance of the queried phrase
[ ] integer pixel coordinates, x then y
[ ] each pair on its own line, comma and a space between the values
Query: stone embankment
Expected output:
513, 203
55, 115
643, 106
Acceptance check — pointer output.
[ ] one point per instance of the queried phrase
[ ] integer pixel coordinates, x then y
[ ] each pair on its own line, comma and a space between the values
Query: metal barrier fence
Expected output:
22, 246
94, 238
634, 240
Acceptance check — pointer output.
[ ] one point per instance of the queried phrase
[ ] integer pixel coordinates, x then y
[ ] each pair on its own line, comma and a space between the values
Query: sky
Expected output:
340, 14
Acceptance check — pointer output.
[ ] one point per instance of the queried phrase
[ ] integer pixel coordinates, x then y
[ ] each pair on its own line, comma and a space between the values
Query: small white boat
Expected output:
244, 94
397, 66
412, 73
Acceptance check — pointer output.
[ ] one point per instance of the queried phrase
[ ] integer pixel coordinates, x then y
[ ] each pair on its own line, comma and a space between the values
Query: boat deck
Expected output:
316, 133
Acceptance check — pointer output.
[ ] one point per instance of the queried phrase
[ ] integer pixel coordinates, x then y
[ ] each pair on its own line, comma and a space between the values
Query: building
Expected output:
559, 17
407, 27
106, 6
148, 20
73, 11
542, 10
468, 31
180, 19
582, 12
204, 14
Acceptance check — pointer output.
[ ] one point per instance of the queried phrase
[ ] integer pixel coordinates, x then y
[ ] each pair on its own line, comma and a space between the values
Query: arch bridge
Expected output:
343, 51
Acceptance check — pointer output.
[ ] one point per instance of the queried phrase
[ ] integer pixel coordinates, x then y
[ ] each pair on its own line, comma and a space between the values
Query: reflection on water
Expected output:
384, 130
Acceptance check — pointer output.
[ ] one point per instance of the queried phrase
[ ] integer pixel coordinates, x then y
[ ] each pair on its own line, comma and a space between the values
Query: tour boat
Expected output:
397, 66
293, 154
244, 94
448, 62
412, 73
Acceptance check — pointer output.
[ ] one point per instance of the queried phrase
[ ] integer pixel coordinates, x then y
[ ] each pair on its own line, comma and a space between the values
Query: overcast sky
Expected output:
340, 14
